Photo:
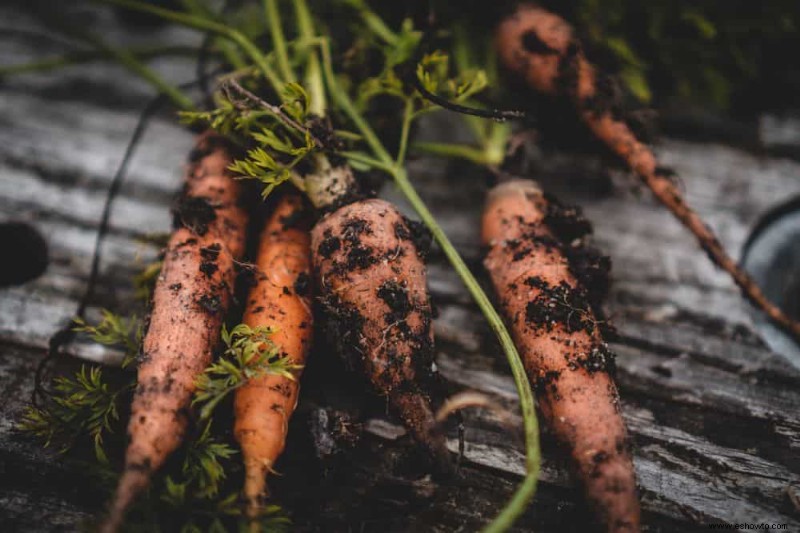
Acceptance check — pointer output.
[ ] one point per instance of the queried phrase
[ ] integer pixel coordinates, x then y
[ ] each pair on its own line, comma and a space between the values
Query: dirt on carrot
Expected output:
189, 303
372, 282
280, 300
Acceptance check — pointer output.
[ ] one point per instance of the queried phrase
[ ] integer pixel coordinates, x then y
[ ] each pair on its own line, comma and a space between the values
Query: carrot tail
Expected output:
415, 410
541, 47
667, 193
558, 336
255, 486
131, 483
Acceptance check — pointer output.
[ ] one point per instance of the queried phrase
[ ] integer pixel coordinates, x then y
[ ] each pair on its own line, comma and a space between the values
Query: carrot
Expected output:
373, 285
189, 303
281, 300
561, 346
541, 47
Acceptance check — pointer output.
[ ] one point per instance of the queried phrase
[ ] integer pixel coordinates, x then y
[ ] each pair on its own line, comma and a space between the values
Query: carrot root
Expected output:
559, 340
541, 47
373, 284
131, 483
280, 299
189, 302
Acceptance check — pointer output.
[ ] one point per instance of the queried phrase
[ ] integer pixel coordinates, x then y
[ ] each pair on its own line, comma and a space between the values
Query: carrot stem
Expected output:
360, 157
273, 16
341, 98
226, 47
87, 56
461, 151
314, 80
408, 115
374, 22
128, 60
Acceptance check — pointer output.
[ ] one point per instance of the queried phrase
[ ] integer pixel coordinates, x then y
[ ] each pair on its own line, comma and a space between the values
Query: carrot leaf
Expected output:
203, 467
116, 330
81, 406
250, 354
145, 281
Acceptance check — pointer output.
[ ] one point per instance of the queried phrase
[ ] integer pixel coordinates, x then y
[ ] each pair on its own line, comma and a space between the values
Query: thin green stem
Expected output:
314, 80
278, 39
408, 115
226, 47
128, 60
196, 7
347, 135
526, 490
497, 142
461, 151
341, 98
462, 54
86, 56
478, 127
359, 157
374, 22
202, 24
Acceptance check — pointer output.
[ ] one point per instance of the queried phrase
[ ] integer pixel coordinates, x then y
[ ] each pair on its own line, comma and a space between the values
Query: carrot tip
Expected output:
255, 486
416, 412
130, 485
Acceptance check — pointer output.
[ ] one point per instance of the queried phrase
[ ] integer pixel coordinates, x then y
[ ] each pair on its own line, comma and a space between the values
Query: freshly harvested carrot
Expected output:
541, 47
373, 284
280, 299
561, 345
189, 303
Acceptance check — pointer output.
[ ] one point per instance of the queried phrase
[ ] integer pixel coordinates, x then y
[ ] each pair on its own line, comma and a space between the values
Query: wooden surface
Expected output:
712, 412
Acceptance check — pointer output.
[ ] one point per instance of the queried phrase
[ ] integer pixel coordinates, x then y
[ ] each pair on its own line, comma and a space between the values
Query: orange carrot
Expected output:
281, 300
541, 47
373, 285
560, 343
189, 303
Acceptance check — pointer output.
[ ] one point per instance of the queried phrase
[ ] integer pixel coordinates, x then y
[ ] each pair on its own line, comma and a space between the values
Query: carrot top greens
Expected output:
249, 353
195, 493
82, 406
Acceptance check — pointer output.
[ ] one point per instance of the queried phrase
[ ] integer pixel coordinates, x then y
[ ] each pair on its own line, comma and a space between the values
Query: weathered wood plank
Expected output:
712, 412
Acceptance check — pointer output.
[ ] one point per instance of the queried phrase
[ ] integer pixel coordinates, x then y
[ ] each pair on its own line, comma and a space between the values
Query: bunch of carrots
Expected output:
286, 119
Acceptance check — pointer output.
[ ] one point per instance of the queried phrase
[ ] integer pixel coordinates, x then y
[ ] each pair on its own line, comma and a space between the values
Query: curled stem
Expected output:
501, 115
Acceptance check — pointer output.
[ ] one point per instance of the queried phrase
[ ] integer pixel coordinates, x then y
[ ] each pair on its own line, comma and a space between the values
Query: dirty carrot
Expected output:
560, 342
373, 284
189, 302
280, 300
541, 47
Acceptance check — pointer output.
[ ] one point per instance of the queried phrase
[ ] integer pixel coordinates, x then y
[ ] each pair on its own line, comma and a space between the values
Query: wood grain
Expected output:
712, 412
